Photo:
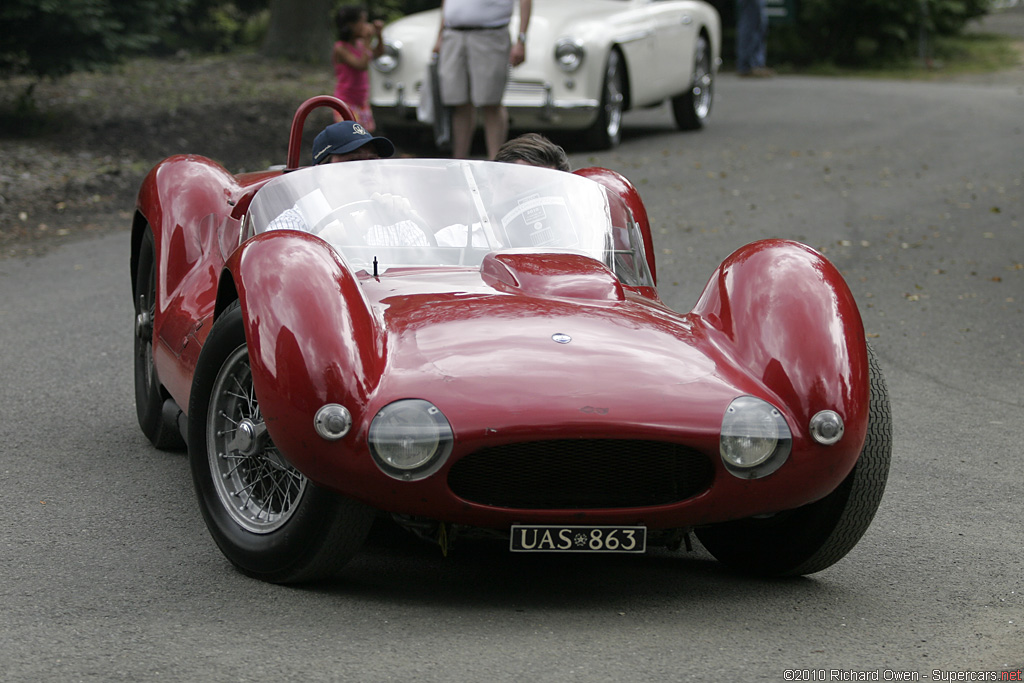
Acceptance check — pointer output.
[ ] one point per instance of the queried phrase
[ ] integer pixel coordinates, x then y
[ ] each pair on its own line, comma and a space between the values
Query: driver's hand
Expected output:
392, 202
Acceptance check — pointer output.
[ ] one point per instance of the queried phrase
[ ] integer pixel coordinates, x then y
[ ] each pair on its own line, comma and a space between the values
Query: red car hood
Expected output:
513, 352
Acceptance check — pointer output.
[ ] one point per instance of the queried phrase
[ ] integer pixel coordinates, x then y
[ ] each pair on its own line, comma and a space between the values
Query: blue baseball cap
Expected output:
344, 137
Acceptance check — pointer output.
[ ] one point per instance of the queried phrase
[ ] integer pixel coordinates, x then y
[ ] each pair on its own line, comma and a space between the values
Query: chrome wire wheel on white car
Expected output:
606, 131
259, 489
266, 516
691, 108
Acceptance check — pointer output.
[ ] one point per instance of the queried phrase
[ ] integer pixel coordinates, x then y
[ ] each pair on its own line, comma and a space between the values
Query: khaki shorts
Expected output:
473, 66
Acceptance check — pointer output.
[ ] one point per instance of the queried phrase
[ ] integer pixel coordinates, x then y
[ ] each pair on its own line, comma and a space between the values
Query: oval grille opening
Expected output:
581, 474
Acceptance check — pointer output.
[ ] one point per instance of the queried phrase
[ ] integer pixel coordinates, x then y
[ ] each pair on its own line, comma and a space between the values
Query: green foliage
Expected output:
389, 10
50, 38
216, 26
868, 32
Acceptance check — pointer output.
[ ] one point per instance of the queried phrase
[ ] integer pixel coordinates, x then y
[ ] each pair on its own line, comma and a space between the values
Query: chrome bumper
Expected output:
530, 105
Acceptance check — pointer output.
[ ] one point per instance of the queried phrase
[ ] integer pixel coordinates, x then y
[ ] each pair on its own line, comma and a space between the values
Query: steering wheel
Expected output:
345, 214
355, 233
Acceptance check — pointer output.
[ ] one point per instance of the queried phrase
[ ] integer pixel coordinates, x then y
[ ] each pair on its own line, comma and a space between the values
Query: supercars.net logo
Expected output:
892, 675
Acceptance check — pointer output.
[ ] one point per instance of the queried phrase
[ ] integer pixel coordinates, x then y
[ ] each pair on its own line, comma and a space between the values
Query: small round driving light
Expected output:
332, 421
755, 439
410, 439
827, 427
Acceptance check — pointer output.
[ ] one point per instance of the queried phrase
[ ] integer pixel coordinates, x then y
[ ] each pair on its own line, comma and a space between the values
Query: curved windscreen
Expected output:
406, 212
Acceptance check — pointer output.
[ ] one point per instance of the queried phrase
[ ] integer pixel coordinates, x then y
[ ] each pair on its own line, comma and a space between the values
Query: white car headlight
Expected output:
410, 439
755, 439
569, 54
389, 59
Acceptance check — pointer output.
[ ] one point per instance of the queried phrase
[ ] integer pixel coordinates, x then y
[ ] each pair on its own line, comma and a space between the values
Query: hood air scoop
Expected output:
554, 274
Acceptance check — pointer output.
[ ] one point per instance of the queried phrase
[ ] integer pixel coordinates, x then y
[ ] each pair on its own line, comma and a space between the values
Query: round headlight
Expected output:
569, 54
755, 439
389, 58
410, 439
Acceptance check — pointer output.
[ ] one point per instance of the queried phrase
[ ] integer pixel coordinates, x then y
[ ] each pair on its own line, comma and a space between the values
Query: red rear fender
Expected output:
176, 195
620, 185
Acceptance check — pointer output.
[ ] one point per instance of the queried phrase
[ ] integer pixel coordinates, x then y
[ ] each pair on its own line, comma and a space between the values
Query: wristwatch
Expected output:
522, 38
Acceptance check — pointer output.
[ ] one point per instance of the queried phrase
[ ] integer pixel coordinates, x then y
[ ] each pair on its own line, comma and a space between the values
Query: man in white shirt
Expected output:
475, 51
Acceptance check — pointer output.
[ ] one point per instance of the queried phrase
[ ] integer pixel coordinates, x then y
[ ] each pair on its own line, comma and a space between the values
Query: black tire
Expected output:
149, 397
815, 536
691, 109
268, 519
606, 131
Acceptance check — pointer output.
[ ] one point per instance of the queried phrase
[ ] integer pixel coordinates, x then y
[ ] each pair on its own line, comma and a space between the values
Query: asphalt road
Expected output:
915, 190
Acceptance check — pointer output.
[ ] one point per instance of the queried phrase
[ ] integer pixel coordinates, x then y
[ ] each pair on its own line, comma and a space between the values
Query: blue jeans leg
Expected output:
751, 35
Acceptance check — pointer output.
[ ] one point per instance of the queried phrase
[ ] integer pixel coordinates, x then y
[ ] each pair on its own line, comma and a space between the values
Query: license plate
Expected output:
546, 538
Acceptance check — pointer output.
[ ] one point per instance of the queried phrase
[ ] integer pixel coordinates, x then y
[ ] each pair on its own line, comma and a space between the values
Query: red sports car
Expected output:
470, 347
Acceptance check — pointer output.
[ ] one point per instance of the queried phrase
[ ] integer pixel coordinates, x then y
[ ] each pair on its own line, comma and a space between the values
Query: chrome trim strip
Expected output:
636, 35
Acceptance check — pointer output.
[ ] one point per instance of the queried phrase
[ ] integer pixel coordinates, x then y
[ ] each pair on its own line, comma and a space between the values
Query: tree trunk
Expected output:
301, 30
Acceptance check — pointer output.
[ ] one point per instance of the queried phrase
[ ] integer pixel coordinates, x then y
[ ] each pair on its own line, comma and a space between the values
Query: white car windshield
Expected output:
440, 212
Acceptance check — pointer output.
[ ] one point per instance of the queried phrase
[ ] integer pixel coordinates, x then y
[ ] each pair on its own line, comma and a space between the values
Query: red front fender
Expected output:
782, 310
311, 335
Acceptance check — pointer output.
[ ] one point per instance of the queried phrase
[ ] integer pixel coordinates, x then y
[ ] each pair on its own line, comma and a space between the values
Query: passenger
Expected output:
529, 149
533, 149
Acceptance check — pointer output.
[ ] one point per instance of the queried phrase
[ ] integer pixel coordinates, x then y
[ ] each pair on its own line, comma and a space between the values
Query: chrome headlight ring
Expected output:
332, 421
827, 427
569, 54
755, 439
410, 439
390, 58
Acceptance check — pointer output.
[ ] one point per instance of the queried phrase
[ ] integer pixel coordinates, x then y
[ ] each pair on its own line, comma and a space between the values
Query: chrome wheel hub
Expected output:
255, 484
144, 326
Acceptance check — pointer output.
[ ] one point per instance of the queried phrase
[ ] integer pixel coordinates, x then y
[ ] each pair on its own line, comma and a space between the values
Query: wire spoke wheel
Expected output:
145, 309
149, 397
691, 108
258, 488
613, 105
702, 80
265, 515
606, 131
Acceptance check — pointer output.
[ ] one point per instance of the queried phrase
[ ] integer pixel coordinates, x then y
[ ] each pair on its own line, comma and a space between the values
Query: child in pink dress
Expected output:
359, 43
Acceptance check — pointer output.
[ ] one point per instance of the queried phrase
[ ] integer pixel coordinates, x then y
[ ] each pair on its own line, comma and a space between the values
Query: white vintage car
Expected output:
587, 61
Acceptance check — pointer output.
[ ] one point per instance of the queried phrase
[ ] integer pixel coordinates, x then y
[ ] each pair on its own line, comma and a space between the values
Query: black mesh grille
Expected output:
581, 474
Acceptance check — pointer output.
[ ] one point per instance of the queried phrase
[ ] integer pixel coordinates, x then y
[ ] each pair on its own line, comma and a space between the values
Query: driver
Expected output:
349, 141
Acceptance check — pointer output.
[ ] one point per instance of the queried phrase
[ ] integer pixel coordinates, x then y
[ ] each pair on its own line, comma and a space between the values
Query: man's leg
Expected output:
748, 33
495, 128
463, 125
761, 57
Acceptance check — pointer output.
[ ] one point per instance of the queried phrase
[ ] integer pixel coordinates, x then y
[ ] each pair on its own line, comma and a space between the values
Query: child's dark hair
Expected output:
345, 17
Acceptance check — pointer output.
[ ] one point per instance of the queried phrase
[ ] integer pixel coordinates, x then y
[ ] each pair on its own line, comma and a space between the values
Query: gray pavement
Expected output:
915, 190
